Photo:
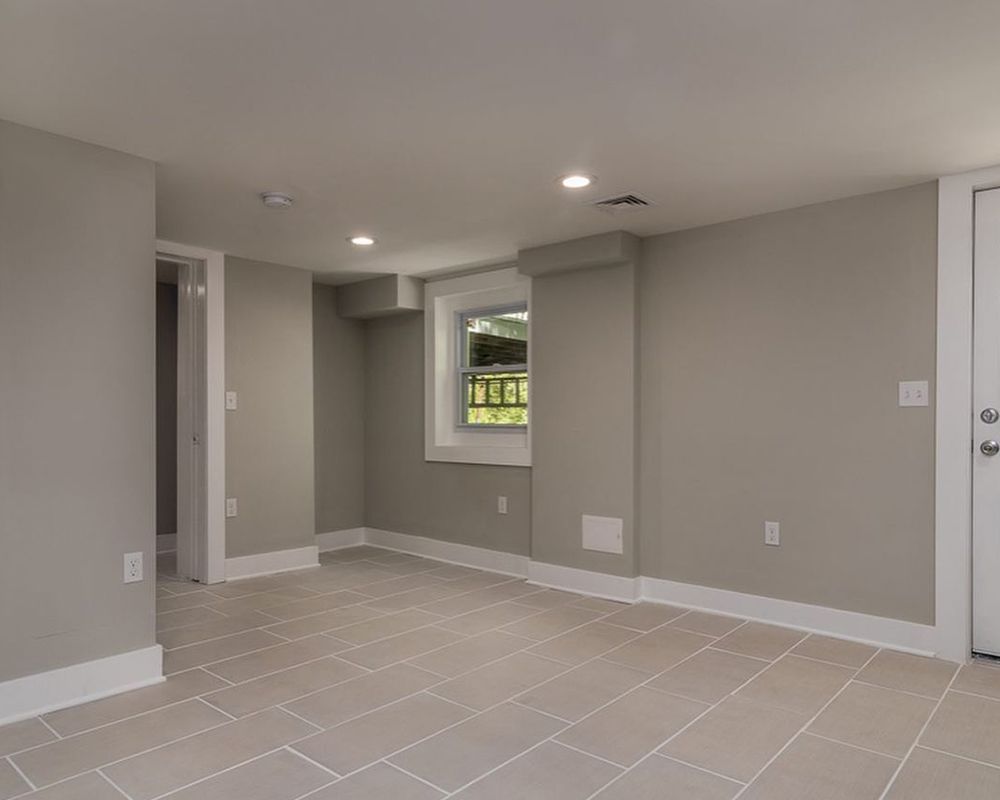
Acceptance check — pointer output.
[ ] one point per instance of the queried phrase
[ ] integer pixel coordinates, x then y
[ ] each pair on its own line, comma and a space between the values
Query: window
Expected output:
493, 367
477, 341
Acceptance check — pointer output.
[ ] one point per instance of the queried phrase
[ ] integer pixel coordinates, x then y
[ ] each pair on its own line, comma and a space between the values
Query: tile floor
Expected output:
384, 675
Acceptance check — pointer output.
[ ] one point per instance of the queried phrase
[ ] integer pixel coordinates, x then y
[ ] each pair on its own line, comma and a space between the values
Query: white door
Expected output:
986, 427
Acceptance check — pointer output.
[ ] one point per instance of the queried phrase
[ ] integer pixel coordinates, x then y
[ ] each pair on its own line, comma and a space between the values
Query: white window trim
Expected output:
444, 439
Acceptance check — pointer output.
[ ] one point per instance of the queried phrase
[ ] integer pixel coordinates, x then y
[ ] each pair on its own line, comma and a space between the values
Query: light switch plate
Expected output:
231, 507
603, 534
913, 393
231, 401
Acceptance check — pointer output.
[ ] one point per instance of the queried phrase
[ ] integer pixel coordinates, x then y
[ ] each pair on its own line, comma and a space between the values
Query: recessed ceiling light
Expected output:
576, 180
362, 241
276, 199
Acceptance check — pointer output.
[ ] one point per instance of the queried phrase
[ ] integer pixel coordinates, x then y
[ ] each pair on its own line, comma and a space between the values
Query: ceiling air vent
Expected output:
622, 202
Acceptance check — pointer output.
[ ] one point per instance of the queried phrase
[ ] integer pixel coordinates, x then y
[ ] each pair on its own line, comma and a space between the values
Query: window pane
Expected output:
499, 398
496, 339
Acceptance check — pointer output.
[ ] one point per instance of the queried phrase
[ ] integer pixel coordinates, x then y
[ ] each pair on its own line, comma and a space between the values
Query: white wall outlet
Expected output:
231, 401
913, 393
772, 533
133, 568
603, 534
501, 504
231, 509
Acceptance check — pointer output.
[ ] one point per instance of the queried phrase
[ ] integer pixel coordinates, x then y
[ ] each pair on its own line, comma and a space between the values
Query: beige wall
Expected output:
770, 352
339, 413
77, 485
583, 414
404, 493
269, 439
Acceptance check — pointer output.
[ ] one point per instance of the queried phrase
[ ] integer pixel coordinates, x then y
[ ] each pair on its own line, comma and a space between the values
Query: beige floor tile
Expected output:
400, 647
599, 604
979, 679
488, 618
197, 655
22, 735
315, 605
179, 587
819, 769
358, 696
407, 583
111, 709
797, 684
414, 597
548, 598
502, 680
468, 654
836, 651
966, 726
281, 775
584, 643
451, 572
177, 602
243, 587
253, 665
926, 676
644, 616
928, 775
169, 620
283, 687
371, 737
760, 640
464, 603
659, 778
375, 783
709, 624
877, 719
86, 787
632, 726
736, 738
548, 772
172, 766
258, 602
709, 676
659, 650
461, 754
382, 627
408, 567
355, 579
224, 626
11, 784
86, 751
321, 623
581, 690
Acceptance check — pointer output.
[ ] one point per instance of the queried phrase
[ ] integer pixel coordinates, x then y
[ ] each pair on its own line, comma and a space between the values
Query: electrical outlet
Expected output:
231, 401
913, 393
772, 533
231, 509
133, 568
501, 504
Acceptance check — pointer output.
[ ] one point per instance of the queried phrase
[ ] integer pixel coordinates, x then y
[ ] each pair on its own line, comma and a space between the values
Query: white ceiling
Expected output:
439, 126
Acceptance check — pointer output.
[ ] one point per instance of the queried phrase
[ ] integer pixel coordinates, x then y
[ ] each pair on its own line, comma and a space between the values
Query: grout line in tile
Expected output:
902, 691
304, 757
411, 774
957, 755
835, 740
973, 694
581, 751
20, 772
41, 718
118, 788
658, 754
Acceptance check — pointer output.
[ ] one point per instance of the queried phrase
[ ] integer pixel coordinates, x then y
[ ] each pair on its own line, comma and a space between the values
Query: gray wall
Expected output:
339, 413
770, 352
77, 429
166, 408
404, 493
583, 352
269, 439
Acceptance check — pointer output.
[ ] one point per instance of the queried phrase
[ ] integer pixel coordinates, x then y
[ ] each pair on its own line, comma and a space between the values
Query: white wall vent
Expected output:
603, 534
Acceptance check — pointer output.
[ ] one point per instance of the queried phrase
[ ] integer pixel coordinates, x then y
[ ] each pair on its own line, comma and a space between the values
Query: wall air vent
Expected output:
622, 202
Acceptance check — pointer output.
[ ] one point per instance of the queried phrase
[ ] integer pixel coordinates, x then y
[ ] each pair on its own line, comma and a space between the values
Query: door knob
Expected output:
989, 415
990, 447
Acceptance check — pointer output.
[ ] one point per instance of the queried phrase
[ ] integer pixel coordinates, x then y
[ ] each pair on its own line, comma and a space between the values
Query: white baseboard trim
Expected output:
269, 563
337, 540
598, 584
166, 542
910, 637
450, 552
32, 695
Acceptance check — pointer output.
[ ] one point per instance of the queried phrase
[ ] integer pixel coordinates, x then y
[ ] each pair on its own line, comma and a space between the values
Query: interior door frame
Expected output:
953, 411
206, 555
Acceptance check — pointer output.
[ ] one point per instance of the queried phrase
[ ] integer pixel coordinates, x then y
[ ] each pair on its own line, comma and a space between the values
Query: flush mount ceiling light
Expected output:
576, 180
361, 241
276, 199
